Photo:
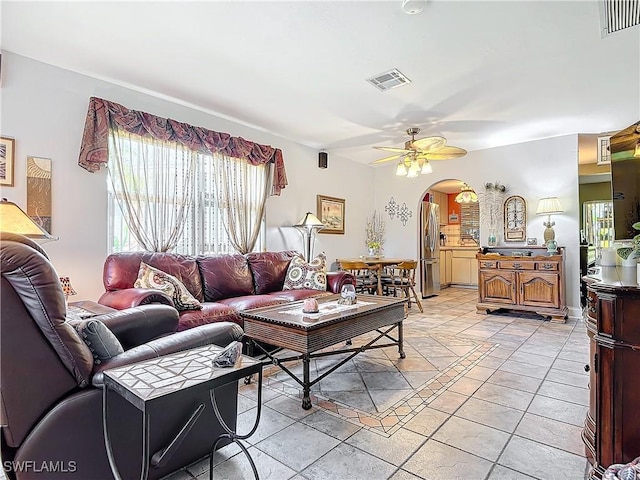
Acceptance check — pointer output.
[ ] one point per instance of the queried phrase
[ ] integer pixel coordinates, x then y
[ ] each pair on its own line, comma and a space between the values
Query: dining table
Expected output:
377, 263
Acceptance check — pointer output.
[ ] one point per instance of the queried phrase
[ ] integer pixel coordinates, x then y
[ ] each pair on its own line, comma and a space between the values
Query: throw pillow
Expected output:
100, 340
301, 274
151, 277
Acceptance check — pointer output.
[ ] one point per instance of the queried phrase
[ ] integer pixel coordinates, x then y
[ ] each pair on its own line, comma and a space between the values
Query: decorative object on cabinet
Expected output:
549, 206
14, 220
515, 219
39, 191
375, 231
466, 195
529, 283
611, 429
491, 201
7, 160
633, 252
330, 211
309, 226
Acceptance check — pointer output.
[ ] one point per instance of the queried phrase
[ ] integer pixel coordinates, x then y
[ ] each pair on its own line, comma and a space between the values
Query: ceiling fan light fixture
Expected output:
466, 195
426, 168
401, 169
414, 169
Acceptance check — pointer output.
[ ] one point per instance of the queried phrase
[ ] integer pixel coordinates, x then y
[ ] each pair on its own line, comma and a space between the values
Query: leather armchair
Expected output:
51, 391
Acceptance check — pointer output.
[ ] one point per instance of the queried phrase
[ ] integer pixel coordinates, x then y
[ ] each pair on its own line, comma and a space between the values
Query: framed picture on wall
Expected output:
7, 156
330, 211
604, 151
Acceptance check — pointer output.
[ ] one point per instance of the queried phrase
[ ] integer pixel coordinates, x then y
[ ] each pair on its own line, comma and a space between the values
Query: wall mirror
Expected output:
515, 219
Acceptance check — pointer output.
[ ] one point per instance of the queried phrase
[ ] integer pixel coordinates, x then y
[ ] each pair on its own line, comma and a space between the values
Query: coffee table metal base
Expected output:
306, 383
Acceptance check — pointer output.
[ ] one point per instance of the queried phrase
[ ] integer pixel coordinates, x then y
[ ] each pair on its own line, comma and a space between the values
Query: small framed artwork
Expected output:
532, 241
7, 158
39, 191
330, 211
604, 151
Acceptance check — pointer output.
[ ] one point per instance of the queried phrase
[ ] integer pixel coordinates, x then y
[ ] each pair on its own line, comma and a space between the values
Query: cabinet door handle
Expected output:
595, 363
547, 266
521, 289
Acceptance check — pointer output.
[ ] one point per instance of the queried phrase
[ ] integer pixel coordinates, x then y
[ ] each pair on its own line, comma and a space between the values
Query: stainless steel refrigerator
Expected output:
430, 249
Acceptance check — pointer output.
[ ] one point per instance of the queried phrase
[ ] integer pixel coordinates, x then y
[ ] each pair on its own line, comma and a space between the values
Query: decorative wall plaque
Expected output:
515, 219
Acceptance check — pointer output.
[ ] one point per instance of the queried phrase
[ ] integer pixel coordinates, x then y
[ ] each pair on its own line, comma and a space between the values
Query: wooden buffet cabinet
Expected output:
532, 283
612, 316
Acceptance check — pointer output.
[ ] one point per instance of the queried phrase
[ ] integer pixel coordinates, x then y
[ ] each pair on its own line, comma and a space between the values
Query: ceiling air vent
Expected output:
387, 80
619, 14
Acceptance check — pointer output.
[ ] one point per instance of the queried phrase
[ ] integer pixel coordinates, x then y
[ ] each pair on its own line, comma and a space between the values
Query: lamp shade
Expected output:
309, 221
14, 220
466, 195
66, 286
549, 205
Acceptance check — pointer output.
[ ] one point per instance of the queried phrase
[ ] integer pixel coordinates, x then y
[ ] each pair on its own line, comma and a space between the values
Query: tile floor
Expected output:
496, 397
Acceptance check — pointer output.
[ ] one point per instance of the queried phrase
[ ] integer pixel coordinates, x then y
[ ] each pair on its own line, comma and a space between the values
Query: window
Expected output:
203, 231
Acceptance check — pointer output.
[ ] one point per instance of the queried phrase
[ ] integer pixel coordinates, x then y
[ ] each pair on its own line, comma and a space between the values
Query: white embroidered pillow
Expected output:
301, 274
150, 277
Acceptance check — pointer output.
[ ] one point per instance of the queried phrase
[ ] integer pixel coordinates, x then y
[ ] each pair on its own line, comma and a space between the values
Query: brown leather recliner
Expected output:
51, 391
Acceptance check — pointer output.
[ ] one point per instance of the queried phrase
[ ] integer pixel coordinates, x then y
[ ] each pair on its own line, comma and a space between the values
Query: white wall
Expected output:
533, 170
44, 109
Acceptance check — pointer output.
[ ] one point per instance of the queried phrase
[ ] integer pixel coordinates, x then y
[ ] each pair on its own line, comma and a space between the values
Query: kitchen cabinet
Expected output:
530, 283
442, 199
612, 429
445, 268
464, 269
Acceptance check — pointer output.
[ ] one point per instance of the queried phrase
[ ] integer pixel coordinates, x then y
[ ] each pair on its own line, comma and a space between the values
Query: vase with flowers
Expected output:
375, 231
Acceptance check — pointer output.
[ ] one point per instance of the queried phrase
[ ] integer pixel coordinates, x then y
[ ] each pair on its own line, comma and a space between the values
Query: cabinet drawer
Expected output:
547, 266
516, 265
488, 264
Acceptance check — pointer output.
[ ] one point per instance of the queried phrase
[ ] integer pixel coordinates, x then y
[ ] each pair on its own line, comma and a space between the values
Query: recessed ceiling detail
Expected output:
387, 80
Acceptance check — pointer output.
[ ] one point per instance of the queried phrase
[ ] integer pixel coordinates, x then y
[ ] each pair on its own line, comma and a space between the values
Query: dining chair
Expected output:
403, 277
366, 281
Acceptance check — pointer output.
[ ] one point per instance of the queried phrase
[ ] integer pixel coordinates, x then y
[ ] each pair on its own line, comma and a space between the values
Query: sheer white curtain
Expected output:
153, 182
241, 194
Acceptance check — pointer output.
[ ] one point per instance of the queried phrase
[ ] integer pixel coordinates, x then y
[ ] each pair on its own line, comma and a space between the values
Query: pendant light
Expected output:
466, 195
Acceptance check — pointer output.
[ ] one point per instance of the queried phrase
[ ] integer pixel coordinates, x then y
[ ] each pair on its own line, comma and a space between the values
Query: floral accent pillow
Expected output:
301, 274
150, 277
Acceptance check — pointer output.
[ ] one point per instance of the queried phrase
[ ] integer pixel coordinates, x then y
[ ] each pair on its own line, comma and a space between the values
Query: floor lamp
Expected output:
308, 226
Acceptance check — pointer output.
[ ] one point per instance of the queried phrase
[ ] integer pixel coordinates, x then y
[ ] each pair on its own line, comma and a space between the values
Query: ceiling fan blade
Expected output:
445, 153
393, 149
429, 144
387, 159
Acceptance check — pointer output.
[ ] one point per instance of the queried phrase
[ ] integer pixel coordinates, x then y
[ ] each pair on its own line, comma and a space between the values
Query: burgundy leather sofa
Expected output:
224, 284
51, 391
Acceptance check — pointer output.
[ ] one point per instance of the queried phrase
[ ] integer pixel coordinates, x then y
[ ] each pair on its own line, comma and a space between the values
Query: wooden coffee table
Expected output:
287, 327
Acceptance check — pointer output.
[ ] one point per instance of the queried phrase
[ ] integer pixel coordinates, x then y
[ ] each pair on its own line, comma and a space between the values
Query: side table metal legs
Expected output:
107, 440
233, 436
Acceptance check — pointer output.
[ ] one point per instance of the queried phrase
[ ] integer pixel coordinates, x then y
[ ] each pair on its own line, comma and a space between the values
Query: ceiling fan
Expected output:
414, 157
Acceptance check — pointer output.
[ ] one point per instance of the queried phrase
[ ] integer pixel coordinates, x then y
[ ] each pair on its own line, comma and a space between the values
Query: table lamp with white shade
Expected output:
549, 206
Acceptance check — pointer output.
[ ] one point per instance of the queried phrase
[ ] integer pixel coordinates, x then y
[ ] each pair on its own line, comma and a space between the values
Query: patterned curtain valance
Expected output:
103, 114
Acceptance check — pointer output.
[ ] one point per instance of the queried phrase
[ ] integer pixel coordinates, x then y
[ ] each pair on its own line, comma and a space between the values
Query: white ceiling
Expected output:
484, 73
